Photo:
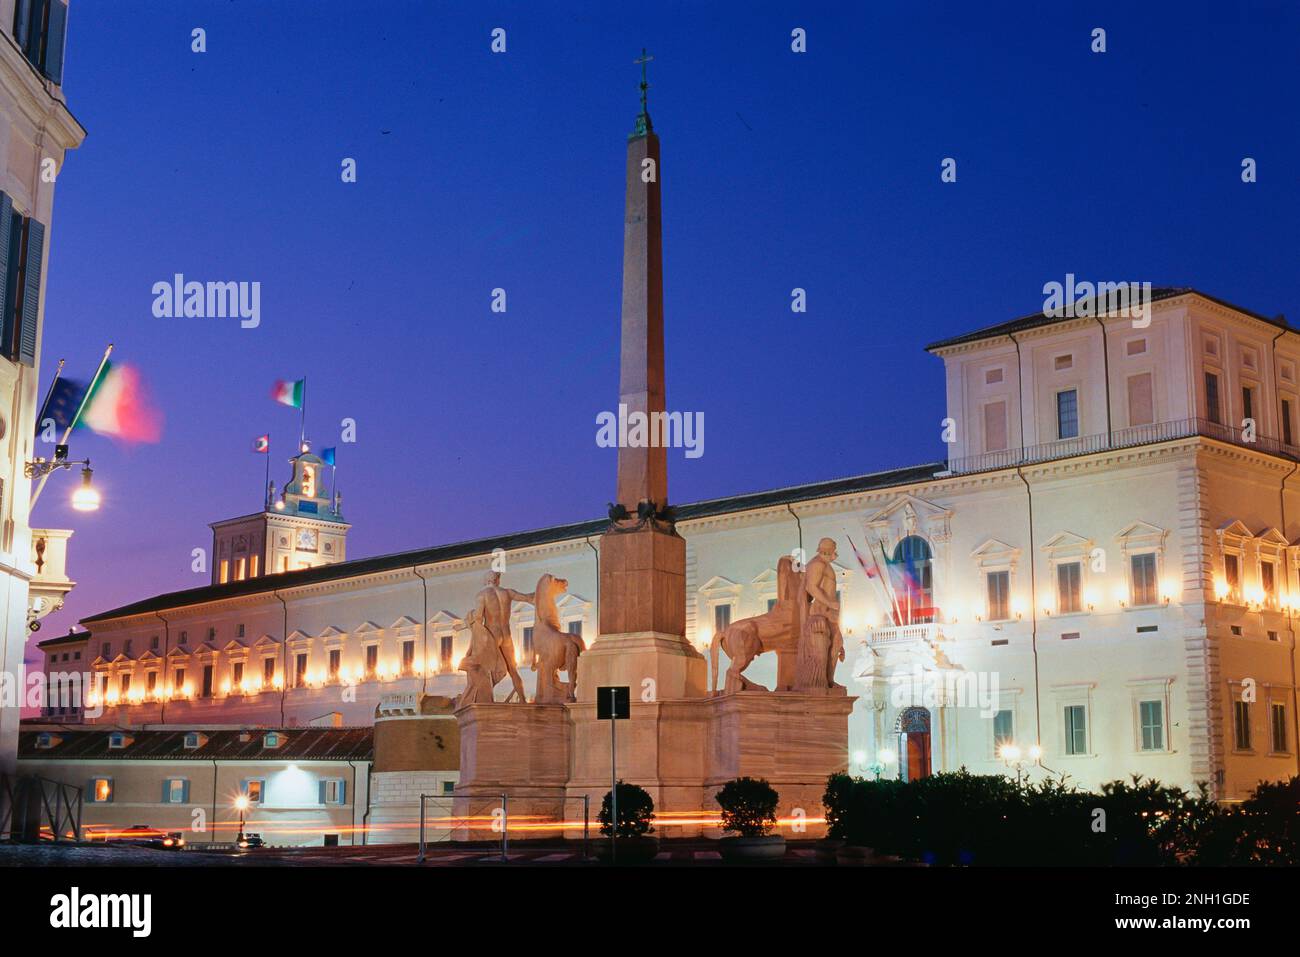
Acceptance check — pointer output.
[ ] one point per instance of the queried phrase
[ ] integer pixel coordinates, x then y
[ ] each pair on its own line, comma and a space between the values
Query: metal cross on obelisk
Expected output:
643, 120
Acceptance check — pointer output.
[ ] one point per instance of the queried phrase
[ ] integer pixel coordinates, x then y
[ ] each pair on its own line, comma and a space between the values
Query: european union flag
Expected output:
65, 399
327, 455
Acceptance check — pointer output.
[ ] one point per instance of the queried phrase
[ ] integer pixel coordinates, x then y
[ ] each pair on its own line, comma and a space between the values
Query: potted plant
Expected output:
749, 810
635, 844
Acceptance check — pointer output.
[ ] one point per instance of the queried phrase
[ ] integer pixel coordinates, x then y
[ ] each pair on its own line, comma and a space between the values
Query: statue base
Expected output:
547, 758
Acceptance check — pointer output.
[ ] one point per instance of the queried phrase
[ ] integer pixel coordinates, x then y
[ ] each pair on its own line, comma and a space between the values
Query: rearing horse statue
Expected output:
745, 640
554, 649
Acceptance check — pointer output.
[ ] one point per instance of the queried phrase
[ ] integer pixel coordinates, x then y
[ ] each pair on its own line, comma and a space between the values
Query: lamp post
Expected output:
884, 758
241, 804
85, 498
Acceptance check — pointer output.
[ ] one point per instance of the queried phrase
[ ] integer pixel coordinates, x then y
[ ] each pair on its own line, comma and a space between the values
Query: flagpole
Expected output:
302, 433
49, 394
90, 391
898, 614
266, 486
879, 574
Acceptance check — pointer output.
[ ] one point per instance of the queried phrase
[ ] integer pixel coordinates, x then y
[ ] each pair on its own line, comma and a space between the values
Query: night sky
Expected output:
475, 171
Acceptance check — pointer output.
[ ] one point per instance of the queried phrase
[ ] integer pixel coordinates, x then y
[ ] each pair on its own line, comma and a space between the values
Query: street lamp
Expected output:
241, 805
85, 498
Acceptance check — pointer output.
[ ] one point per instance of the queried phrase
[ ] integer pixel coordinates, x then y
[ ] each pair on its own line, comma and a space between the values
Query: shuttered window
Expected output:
40, 28
1141, 408
22, 249
995, 427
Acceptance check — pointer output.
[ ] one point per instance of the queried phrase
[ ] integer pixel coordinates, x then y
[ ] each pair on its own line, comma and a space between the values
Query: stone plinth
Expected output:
673, 668
521, 750
642, 582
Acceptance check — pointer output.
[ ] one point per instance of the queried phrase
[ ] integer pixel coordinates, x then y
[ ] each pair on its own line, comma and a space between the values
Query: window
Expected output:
911, 575
270, 740
771, 603
212, 634
223, 575
1069, 578
1151, 717
372, 660
175, 791
104, 650
1277, 712
575, 628
178, 680
1288, 435
268, 671
1241, 724
151, 682
333, 791
254, 790
185, 636
252, 567
448, 787
100, 791
1213, 411
116, 740
1232, 574
153, 645
1003, 729
1076, 729
335, 662
1268, 579
126, 684
1135, 347
999, 590
1143, 572
239, 631
446, 648
192, 740
528, 643
22, 243
1247, 402
995, 427
408, 656
237, 674
207, 681
1141, 405
40, 27
239, 569
1067, 414
300, 669
721, 618
993, 376
126, 647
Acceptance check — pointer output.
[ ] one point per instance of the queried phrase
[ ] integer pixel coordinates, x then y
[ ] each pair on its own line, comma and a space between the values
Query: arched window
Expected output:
912, 576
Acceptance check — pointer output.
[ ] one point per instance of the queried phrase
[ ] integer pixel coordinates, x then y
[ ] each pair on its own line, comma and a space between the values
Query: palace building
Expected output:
1100, 579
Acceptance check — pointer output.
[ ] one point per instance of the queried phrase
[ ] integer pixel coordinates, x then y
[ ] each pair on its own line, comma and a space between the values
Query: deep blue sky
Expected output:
779, 170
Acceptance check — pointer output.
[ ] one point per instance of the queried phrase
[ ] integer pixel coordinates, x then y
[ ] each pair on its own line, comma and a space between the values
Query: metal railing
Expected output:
1123, 439
31, 805
502, 823
900, 633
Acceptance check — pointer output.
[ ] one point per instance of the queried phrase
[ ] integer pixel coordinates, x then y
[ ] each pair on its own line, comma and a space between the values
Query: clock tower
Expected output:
301, 528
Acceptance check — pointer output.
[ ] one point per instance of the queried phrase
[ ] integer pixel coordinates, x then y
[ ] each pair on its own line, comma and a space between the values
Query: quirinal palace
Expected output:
1099, 578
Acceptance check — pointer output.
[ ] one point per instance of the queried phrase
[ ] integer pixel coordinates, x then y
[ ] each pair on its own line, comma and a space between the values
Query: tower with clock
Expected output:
302, 527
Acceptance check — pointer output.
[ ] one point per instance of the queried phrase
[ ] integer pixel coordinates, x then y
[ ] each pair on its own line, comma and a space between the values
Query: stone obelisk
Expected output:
642, 558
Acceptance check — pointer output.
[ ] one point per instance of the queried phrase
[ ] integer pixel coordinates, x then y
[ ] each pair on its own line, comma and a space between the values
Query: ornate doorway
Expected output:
913, 729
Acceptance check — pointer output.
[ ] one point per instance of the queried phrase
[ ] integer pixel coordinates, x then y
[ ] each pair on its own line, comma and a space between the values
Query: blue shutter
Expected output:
90, 791
185, 792
167, 791
31, 301
22, 22
343, 792
6, 300
54, 37
321, 789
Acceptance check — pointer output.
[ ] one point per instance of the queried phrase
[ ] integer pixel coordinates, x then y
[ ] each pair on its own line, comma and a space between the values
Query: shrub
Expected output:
635, 812
748, 806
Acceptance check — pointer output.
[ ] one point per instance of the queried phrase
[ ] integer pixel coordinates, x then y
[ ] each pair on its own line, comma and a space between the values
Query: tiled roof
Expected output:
75, 638
1040, 319
541, 536
297, 744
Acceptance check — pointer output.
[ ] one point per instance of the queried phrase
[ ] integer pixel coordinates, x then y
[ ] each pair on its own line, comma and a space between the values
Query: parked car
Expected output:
142, 835
251, 841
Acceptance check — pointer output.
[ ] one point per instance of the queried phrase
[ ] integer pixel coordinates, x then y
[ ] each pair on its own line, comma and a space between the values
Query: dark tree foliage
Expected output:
635, 812
748, 806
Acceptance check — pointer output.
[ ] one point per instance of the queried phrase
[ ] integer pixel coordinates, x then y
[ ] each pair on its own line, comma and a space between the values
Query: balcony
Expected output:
1121, 439
51, 584
897, 635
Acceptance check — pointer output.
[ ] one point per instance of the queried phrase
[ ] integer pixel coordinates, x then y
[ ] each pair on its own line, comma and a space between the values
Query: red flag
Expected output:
262, 443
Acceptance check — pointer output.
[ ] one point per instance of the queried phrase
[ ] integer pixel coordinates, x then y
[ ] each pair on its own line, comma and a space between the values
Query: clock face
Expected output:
306, 540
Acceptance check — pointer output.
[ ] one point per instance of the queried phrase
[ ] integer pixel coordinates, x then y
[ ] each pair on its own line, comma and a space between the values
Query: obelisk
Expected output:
642, 558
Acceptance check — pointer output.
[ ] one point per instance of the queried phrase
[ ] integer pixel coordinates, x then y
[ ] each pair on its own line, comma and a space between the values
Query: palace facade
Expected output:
1104, 575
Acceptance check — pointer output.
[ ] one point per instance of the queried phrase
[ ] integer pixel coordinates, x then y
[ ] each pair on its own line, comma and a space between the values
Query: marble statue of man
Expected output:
493, 604
822, 649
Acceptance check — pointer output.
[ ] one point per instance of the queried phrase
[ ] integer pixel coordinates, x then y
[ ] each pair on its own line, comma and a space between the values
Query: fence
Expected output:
500, 821
30, 806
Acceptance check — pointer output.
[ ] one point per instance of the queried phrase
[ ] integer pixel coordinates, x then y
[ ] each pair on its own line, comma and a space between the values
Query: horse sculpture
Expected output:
554, 649
745, 640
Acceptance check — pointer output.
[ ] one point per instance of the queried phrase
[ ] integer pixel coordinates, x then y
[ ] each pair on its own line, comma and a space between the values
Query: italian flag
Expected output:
289, 393
117, 404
